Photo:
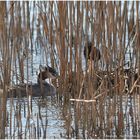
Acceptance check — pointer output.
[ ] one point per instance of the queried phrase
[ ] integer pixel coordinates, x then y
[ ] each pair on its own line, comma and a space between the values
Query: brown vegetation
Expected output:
60, 30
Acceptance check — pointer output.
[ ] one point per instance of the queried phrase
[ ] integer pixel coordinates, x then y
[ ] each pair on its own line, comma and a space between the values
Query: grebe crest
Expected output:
46, 72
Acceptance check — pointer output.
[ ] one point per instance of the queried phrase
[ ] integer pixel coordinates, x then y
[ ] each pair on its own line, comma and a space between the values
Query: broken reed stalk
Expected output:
121, 35
63, 29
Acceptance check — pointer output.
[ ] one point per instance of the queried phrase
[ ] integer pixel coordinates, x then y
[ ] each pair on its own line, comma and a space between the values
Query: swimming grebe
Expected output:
42, 85
42, 88
91, 52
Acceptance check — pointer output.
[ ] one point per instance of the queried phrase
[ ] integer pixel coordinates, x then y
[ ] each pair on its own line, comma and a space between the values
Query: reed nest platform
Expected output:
36, 90
95, 83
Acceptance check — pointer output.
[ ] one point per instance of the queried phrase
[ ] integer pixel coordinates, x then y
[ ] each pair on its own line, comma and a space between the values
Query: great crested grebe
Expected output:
47, 72
91, 52
41, 88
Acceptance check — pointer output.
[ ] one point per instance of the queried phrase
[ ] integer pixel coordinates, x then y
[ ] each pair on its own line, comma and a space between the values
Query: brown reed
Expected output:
61, 29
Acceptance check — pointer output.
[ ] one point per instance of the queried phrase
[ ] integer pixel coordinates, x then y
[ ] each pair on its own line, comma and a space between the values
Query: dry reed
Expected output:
98, 99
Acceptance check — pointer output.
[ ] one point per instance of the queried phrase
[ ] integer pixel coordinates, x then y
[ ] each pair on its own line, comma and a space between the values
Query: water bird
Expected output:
41, 88
91, 52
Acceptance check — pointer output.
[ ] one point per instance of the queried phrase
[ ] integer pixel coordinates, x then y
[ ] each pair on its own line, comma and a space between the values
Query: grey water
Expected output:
48, 115
44, 116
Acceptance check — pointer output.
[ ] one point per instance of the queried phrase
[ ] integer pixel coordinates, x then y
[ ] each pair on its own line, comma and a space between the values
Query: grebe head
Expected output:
91, 52
47, 72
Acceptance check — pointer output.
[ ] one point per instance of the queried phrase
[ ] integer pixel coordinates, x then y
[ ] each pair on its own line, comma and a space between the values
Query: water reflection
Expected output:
48, 118
41, 119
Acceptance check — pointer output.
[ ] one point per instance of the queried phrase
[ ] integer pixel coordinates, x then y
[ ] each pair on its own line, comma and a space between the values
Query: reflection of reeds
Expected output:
61, 29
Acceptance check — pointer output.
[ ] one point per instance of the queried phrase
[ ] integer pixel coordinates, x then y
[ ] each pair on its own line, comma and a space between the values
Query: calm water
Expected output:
51, 120
46, 114
48, 117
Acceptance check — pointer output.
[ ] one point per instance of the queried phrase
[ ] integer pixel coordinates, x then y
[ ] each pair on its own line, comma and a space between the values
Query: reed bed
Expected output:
97, 99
